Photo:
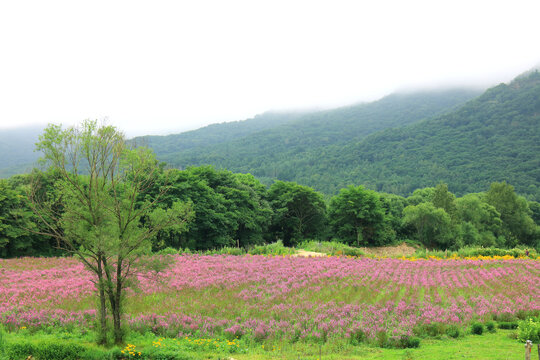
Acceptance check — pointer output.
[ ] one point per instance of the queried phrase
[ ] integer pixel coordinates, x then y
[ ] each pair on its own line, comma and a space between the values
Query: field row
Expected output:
279, 297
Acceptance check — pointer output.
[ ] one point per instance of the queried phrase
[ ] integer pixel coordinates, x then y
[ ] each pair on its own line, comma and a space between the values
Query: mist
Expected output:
174, 67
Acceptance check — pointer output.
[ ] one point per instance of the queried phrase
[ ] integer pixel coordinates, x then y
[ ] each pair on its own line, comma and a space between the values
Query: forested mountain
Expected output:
396, 145
290, 150
216, 133
495, 137
17, 145
17, 149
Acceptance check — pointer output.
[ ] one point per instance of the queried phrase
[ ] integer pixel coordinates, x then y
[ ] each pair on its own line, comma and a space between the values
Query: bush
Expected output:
226, 251
477, 328
404, 342
508, 325
453, 331
432, 330
276, 248
381, 339
167, 251
19, 350
529, 330
45, 350
357, 336
490, 326
331, 248
163, 354
57, 350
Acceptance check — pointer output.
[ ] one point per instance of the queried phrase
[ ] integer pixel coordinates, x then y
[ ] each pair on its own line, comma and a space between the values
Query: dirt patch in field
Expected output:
399, 250
304, 253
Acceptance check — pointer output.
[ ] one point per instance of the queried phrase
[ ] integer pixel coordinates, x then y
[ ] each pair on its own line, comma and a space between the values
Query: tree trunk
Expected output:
117, 311
102, 336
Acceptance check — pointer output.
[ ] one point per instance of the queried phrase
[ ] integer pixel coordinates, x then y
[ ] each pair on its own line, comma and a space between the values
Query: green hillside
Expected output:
215, 133
288, 151
495, 137
17, 149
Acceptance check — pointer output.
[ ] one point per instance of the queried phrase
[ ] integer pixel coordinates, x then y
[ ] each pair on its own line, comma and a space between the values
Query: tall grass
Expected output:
330, 248
477, 251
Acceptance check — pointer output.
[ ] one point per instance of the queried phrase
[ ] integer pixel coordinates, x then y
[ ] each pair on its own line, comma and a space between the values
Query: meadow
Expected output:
271, 303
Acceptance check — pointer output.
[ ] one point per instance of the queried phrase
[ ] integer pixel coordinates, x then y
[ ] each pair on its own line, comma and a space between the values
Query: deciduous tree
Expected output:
101, 187
356, 216
299, 212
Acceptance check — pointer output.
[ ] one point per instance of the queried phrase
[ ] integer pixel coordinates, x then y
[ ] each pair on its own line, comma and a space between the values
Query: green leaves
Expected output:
299, 212
357, 217
433, 225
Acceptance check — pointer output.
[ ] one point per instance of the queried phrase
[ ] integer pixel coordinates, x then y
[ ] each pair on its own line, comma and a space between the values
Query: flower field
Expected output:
280, 297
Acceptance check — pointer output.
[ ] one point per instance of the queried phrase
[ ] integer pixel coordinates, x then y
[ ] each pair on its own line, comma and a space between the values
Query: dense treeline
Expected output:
237, 210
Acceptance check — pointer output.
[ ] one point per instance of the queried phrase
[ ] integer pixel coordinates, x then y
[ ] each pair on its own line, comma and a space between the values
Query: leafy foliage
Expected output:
433, 225
357, 217
495, 137
299, 212
300, 150
230, 209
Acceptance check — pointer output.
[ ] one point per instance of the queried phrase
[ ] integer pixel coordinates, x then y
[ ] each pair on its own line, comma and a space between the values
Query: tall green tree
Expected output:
102, 184
518, 225
356, 216
444, 199
299, 212
393, 206
15, 219
479, 222
433, 225
535, 211
421, 195
230, 209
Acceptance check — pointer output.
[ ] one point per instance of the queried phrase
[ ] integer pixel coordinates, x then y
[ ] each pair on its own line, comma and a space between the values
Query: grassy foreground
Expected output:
499, 345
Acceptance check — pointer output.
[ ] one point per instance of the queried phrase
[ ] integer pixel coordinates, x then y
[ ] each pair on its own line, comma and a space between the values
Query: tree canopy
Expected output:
101, 187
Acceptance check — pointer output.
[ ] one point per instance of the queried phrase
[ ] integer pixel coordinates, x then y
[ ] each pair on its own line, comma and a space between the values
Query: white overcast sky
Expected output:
155, 66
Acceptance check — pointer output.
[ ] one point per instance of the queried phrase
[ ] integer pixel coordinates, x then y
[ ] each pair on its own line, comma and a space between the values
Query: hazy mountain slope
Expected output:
215, 133
495, 137
17, 149
286, 152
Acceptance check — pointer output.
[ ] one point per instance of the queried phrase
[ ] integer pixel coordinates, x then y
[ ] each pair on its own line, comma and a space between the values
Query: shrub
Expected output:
167, 251
405, 342
529, 330
164, 354
477, 328
57, 350
490, 326
357, 336
233, 251
331, 248
19, 350
508, 325
381, 339
433, 330
453, 331
276, 248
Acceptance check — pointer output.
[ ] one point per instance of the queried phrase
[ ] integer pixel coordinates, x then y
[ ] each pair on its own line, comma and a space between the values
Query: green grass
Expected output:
330, 248
493, 346
496, 346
